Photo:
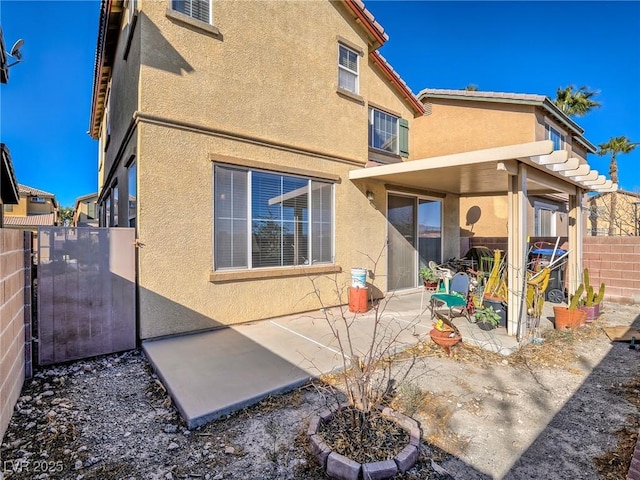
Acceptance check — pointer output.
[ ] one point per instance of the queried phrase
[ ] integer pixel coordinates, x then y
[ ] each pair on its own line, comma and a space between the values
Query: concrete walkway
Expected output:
212, 373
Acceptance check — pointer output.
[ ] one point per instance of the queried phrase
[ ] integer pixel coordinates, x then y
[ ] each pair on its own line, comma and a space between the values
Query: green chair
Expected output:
457, 300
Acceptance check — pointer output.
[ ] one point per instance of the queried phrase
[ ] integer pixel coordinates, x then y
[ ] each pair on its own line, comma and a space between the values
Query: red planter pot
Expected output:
565, 318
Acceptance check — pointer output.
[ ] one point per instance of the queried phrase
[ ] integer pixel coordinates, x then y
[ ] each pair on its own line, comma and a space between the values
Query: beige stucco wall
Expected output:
489, 216
264, 91
176, 259
26, 207
456, 126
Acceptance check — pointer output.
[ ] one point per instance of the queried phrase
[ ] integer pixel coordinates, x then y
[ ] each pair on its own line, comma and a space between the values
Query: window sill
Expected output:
382, 156
199, 25
266, 273
350, 95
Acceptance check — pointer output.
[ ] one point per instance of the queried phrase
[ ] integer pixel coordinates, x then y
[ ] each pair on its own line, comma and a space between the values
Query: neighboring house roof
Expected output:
84, 198
8, 184
31, 220
619, 192
34, 192
513, 98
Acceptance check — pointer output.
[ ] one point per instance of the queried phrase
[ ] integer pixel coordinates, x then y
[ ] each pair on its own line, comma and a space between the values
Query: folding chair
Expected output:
456, 299
444, 276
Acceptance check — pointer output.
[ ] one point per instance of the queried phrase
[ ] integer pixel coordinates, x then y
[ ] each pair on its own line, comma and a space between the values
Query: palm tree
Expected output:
576, 103
614, 146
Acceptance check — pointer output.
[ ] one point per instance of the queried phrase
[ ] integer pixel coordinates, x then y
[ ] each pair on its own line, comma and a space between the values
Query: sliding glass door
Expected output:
414, 238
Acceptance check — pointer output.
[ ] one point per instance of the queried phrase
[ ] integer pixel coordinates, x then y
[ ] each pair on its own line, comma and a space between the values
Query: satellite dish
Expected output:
15, 50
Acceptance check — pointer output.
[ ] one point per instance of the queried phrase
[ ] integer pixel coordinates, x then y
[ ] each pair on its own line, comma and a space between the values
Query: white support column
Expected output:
516, 265
576, 227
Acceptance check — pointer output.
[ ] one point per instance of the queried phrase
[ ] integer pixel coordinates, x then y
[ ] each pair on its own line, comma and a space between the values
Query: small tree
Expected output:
614, 146
66, 216
367, 370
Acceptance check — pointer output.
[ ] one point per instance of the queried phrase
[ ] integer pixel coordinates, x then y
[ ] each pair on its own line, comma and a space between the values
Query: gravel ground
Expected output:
547, 412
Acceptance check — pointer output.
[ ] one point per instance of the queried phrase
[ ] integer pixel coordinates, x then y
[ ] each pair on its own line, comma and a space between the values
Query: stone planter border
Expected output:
342, 468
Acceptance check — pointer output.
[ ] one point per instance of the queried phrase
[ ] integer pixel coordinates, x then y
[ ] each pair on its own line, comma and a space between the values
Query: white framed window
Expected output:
266, 219
556, 136
114, 206
8, 207
545, 219
38, 200
198, 9
348, 69
383, 131
133, 193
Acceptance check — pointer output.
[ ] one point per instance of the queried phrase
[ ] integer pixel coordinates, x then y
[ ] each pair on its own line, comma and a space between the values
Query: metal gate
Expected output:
86, 292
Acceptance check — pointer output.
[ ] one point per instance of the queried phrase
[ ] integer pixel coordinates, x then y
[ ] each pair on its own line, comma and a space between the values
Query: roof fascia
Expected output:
365, 18
397, 82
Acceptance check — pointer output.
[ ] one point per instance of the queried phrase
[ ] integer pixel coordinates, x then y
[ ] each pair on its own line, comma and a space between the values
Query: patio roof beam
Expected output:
557, 156
554, 183
571, 164
592, 175
583, 169
598, 181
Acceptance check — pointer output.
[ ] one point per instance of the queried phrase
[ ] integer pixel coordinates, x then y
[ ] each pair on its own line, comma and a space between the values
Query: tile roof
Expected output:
26, 190
516, 97
46, 219
397, 80
371, 24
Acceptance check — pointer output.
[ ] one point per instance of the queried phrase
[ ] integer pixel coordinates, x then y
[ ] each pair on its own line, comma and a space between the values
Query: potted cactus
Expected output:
590, 302
570, 317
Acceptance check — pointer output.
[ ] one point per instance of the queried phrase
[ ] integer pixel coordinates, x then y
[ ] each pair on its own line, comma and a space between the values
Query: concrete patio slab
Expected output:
212, 373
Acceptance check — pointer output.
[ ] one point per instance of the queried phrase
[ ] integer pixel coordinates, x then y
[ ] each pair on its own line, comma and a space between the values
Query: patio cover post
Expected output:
576, 226
517, 248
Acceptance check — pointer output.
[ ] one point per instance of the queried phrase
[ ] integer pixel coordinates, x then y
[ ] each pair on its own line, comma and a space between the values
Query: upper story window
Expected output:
347, 69
38, 200
388, 132
8, 207
198, 9
267, 219
556, 137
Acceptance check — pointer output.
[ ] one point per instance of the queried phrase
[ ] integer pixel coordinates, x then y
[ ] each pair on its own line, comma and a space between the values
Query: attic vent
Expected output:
427, 108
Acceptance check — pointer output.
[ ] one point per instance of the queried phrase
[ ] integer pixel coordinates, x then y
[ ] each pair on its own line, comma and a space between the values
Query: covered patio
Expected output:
516, 171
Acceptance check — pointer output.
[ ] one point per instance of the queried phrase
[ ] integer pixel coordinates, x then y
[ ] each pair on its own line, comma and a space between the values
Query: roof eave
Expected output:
108, 31
10, 192
365, 18
397, 82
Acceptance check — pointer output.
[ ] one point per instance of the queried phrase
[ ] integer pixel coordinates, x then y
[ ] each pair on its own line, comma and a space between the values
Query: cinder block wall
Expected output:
616, 262
12, 322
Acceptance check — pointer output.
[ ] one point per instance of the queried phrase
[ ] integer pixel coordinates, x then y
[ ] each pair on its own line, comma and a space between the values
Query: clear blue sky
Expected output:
523, 47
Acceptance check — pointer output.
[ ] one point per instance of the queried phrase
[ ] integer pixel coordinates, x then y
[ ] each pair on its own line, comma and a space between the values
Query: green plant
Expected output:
488, 315
590, 297
575, 298
427, 274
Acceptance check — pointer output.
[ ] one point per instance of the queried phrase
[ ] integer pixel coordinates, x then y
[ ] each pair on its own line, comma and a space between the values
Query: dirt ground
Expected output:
568, 408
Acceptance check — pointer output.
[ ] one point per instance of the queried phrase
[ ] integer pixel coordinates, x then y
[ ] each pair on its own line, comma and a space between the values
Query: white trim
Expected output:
348, 70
